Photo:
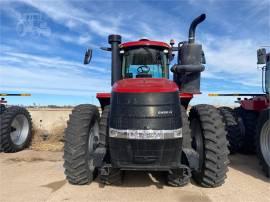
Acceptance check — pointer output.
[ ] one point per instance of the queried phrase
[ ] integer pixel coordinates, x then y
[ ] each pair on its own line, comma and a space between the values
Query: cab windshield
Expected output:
267, 76
145, 62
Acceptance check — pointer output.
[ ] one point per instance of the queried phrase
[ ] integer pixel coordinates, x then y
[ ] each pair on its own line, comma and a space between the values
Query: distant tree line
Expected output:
50, 106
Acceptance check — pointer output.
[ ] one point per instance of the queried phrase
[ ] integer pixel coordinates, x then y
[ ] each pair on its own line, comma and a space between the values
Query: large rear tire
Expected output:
263, 141
15, 129
234, 132
248, 119
209, 140
80, 141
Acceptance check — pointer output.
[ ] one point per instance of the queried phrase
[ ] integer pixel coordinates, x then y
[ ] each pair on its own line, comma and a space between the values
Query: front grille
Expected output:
145, 153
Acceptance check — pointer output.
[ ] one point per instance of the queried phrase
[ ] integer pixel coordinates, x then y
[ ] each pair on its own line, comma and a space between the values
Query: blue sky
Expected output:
46, 59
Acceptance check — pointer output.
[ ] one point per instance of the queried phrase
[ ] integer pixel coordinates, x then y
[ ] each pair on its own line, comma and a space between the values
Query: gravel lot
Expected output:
39, 176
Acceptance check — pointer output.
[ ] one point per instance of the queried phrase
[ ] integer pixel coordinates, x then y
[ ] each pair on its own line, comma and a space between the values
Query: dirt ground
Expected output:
48, 128
39, 176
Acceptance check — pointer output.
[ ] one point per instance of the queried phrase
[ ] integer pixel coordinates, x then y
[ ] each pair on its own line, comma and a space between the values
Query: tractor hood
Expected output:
145, 126
144, 85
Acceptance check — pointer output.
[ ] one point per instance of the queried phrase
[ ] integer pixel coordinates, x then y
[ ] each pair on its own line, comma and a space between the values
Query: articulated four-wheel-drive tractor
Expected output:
248, 126
144, 125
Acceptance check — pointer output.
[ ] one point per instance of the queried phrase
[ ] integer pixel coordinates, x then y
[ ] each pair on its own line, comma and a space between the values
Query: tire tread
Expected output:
215, 165
75, 144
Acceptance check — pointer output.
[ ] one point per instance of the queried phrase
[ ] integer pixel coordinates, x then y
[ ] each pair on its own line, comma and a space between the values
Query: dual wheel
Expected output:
249, 132
204, 132
15, 129
207, 136
85, 131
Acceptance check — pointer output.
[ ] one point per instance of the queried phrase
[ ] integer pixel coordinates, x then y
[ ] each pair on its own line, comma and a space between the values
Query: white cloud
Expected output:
60, 11
158, 33
50, 75
70, 15
101, 29
84, 39
230, 55
231, 59
34, 61
54, 81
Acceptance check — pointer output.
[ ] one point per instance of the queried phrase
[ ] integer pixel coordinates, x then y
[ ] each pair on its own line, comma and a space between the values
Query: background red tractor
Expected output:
144, 124
248, 126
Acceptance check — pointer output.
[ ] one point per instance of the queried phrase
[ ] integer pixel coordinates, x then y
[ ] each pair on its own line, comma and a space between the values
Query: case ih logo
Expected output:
34, 24
164, 112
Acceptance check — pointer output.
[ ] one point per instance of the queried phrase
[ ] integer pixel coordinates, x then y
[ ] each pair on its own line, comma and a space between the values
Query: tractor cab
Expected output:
263, 58
145, 63
144, 59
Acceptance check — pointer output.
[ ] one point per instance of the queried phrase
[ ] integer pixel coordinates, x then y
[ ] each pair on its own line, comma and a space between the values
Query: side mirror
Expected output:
88, 56
171, 57
261, 56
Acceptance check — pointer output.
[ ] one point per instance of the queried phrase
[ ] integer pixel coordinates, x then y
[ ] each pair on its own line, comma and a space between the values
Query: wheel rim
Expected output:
19, 129
92, 144
197, 140
265, 141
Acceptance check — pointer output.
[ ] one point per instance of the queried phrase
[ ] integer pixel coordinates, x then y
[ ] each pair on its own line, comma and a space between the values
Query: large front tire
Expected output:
15, 129
209, 140
81, 139
263, 141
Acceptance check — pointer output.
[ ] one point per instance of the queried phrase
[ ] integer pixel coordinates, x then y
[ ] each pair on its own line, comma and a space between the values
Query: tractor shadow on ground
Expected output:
142, 179
248, 164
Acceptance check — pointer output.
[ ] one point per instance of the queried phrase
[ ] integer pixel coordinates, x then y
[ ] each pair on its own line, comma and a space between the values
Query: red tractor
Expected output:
248, 126
144, 124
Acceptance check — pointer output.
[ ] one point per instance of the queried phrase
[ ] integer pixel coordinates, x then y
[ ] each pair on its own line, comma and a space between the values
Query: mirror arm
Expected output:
106, 48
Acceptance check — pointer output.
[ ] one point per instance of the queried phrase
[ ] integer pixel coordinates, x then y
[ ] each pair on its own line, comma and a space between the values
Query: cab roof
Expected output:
144, 42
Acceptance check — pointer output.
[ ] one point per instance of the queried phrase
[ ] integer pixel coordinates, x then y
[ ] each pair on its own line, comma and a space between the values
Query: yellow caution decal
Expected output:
213, 94
14, 94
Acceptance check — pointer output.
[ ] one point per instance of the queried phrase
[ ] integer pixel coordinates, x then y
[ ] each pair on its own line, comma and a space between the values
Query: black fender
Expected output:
191, 158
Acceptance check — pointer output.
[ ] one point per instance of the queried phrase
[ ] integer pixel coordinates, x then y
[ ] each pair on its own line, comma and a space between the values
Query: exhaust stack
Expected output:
115, 40
192, 28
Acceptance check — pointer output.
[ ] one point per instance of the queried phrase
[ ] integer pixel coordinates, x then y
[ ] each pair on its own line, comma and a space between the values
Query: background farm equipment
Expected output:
15, 126
248, 126
144, 124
